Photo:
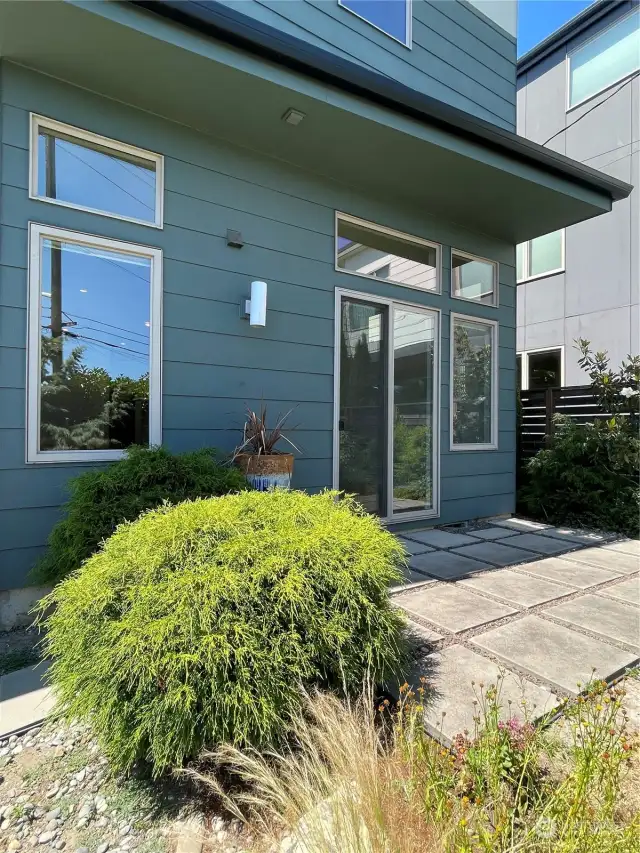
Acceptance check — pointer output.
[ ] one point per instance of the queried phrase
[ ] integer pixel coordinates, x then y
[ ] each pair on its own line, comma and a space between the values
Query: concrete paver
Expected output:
560, 656
605, 617
604, 558
440, 538
497, 553
420, 633
539, 543
447, 565
24, 698
628, 591
516, 588
455, 668
494, 533
414, 547
411, 577
450, 607
625, 546
578, 575
522, 525
583, 537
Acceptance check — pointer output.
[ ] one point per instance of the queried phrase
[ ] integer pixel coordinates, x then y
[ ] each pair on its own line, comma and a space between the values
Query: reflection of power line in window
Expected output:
102, 175
133, 170
125, 269
113, 334
69, 334
72, 320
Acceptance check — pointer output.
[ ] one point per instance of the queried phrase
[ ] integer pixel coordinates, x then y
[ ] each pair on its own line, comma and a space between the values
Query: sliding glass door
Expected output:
386, 409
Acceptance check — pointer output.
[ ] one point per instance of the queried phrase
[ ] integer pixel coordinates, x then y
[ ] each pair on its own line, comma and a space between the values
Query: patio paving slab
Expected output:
540, 544
25, 698
447, 565
515, 588
450, 607
605, 617
420, 633
497, 553
414, 547
628, 591
578, 575
440, 538
410, 576
454, 669
568, 534
625, 546
494, 533
519, 524
559, 656
604, 558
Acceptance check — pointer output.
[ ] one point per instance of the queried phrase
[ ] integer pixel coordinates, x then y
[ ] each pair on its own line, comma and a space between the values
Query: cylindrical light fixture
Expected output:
258, 304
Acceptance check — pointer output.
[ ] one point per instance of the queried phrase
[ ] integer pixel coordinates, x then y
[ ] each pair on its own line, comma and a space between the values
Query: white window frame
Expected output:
390, 518
38, 123
570, 54
390, 232
408, 43
526, 255
496, 278
495, 388
37, 233
524, 364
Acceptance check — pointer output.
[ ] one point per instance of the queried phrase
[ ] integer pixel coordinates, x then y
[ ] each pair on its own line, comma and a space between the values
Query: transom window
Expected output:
472, 278
604, 60
93, 346
474, 384
541, 256
392, 17
365, 249
78, 169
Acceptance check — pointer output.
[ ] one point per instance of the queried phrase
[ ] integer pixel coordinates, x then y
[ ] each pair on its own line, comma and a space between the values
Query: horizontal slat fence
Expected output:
539, 407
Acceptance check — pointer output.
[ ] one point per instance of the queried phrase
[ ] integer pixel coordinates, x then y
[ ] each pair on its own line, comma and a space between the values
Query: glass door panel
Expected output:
363, 402
413, 414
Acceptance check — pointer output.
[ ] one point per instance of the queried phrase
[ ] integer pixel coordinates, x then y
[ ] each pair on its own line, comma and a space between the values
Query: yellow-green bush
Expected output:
197, 624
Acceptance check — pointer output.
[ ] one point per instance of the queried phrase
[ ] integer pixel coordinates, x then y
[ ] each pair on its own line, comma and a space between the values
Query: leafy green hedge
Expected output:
199, 623
143, 479
589, 476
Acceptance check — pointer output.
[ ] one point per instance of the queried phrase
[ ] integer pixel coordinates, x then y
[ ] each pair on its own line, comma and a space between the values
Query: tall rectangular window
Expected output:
541, 256
604, 60
475, 279
392, 17
365, 249
474, 415
94, 385
78, 169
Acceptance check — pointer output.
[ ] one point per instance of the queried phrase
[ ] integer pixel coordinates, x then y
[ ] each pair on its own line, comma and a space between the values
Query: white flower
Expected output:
629, 392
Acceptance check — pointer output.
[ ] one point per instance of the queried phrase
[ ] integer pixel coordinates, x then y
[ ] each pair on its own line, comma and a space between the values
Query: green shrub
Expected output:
197, 624
143, 479
589, 476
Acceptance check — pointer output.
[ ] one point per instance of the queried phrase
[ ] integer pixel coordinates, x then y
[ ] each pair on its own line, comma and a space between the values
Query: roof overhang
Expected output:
224, 74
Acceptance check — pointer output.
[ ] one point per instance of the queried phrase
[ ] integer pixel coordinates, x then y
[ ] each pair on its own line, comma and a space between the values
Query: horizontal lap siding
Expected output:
214, 363
458, 56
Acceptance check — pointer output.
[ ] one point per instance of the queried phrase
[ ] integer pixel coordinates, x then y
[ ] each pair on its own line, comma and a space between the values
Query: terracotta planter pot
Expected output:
266, 472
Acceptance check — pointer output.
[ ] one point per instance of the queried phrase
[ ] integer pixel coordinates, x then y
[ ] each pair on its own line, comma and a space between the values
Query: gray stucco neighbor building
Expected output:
594, 292
157, 158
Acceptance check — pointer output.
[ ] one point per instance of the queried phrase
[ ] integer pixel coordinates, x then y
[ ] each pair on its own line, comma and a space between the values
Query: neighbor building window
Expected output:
474, 278
474, 420
540, 369
392, 17
363, 248
78, 169
93, 346
541, 256
604, 60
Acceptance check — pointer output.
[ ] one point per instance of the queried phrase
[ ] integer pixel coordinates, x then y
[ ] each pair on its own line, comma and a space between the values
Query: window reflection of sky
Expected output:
105, 307
98, 180
387, 15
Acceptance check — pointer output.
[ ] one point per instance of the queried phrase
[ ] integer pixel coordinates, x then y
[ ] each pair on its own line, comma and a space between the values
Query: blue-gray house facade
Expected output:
158, 158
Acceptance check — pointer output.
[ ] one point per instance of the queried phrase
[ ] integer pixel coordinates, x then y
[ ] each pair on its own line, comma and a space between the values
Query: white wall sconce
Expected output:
254, 309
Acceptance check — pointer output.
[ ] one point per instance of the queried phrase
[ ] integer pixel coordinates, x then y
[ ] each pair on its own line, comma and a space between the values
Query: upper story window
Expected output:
365, 249
392, 17
78, 169
540, 256
604, 60
94, 361
474, 278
